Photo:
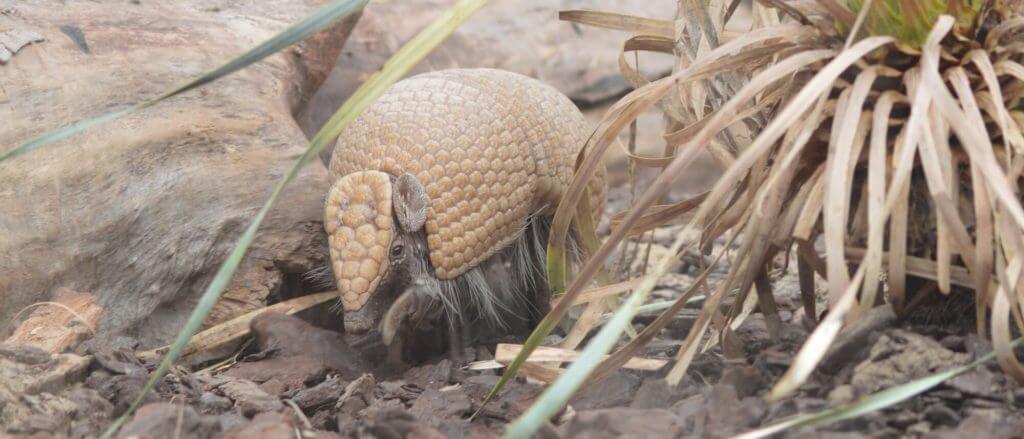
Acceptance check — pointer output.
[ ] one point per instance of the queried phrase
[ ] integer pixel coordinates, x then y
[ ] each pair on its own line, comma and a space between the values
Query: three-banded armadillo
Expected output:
448, 178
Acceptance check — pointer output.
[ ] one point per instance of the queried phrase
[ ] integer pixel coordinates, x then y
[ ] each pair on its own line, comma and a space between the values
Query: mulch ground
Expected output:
297, 378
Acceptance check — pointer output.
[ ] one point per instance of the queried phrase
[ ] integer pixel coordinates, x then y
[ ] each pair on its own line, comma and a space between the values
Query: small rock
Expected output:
211, 403
431, 376
842, 394
899, 356
90, 408
359, 394
940, 414
746, 379
43, 414
977, 382
405, 392
919, 429
810, 405
162, 420
987, 426
623, 422
656, 393
394, 423
55, 330
954, 343
435, 407
615, 390
121, 390
229, 420
264, 426
852, 345
321, 394
689, 407
478, 386
977, 346
292, 336
27, 355
250, 398
30, 370
902, 420
725, 415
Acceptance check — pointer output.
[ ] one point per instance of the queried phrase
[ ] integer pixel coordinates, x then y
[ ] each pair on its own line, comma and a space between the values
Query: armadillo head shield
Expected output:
369, 217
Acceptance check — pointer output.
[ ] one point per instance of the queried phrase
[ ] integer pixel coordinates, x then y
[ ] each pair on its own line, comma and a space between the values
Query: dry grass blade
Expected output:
782, 122
623, 22
1011, 132
505, 353
603, 292
1002, 308
660, 215
919, 267
877, 168
238, 327
849, 127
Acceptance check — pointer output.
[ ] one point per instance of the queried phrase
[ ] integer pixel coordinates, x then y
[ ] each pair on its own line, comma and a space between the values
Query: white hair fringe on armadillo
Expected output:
472, 297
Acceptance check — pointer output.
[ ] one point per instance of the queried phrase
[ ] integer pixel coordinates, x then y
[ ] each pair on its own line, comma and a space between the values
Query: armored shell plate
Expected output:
491, 148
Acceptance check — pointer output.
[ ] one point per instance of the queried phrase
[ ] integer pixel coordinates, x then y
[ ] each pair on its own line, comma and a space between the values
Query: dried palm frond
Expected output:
896, 131
905, 143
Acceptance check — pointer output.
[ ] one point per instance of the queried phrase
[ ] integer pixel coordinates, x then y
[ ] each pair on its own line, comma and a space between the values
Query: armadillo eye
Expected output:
397, 250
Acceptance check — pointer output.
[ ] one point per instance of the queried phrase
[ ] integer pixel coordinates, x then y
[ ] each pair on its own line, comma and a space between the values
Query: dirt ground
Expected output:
297, 378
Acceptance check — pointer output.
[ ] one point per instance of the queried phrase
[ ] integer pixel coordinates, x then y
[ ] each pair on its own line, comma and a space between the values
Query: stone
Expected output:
264, 426
940, 414
624, 422
657, 393
899, 356
747, 380
164, 419
212, 403
141, 211
249, 398
616, 389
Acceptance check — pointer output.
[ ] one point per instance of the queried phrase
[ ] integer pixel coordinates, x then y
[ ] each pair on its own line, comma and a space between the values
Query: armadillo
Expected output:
448, 177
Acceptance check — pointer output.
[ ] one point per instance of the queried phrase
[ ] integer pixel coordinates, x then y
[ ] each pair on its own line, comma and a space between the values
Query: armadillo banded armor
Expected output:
490, 147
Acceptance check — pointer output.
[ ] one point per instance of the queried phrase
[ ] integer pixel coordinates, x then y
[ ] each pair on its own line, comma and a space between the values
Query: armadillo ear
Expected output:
409, 200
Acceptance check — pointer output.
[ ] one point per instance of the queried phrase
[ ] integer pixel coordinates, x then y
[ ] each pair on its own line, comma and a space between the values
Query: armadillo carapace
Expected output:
443, 175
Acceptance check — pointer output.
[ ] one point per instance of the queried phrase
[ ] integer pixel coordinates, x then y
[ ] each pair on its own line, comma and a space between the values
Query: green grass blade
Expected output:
559, 392
556, 271
871, 403
310, 25
400, 63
